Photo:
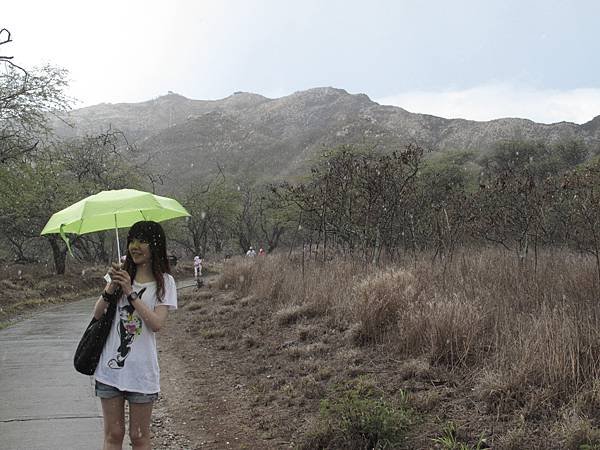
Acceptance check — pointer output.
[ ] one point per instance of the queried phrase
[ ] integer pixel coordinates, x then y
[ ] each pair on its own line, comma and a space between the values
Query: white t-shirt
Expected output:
129, 360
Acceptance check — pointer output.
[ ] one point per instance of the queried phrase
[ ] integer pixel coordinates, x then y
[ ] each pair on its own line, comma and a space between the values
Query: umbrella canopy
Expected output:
113, 209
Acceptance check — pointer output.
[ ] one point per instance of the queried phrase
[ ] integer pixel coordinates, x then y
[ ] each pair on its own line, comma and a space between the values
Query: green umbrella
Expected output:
112, 209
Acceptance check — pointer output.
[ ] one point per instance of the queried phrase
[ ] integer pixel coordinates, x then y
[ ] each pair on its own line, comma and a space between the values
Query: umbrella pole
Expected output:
118, 245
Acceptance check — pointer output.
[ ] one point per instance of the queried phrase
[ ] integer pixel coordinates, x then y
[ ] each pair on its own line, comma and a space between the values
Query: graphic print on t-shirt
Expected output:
130, 326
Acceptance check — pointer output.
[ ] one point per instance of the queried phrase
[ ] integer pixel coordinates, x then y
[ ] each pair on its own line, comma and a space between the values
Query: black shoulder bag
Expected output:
94, 337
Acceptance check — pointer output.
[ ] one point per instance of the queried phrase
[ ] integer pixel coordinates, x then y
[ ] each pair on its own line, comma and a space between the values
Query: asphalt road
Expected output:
44, 403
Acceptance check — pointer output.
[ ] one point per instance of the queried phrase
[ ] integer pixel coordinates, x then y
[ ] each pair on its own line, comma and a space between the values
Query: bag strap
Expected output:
112, 306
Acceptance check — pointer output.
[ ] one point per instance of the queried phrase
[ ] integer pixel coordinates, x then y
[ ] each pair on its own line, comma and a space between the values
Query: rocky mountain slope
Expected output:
255, 137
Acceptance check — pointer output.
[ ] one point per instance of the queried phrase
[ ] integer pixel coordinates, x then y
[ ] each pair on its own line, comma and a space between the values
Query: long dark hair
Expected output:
152, 233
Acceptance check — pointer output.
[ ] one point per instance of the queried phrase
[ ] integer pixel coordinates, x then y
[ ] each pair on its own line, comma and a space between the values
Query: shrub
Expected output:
356, 419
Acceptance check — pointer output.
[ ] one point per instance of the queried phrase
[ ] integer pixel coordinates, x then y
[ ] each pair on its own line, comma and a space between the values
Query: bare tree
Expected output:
354, 200
27, 98
579, 199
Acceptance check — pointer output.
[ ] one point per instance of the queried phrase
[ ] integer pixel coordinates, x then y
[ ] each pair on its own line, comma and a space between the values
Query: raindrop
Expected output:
191, 165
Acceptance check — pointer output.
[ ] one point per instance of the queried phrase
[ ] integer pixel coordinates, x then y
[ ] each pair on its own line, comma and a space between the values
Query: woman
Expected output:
128, 369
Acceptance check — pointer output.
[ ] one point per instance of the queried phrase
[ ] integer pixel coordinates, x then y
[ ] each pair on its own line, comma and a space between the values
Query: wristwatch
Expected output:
133, 296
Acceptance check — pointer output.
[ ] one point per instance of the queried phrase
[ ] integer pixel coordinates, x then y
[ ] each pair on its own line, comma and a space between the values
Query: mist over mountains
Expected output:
256, 138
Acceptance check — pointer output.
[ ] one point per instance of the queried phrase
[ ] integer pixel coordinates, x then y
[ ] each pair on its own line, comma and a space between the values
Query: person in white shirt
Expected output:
251, 253
128, 369
197, 266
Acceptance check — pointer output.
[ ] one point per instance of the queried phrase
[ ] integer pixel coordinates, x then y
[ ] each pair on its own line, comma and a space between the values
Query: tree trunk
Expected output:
218, 246
102, 254
273, 241
59, 254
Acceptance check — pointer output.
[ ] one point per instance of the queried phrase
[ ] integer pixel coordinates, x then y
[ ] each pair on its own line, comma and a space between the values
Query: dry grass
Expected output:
318, 289
378, 302
530, 335
237, 274
26, 288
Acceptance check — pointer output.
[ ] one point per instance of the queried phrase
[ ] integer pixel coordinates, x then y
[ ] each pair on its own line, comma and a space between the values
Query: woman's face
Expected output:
140, 252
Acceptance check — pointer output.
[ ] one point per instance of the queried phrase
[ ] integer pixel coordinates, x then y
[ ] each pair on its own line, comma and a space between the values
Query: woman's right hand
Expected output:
113, 285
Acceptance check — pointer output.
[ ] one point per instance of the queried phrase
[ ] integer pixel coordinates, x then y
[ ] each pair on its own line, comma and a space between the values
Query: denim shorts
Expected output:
106, 391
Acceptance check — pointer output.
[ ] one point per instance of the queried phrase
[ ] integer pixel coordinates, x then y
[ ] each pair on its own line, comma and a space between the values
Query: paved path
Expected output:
44, 403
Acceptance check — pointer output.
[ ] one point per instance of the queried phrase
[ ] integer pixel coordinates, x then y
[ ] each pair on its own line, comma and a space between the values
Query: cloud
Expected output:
494, 101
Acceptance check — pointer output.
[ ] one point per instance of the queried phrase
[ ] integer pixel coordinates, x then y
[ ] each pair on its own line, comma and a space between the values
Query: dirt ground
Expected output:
210, 381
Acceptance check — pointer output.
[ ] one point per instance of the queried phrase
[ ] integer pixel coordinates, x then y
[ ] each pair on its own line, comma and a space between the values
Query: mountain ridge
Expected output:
252, 136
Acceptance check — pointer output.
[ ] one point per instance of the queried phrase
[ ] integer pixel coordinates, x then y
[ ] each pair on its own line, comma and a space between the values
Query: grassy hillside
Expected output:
484, 354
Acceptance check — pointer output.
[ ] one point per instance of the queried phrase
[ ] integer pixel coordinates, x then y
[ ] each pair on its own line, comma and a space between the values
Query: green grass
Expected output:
357, 417
449, 440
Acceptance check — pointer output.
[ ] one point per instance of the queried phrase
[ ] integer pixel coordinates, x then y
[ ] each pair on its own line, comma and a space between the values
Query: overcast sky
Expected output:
474, 59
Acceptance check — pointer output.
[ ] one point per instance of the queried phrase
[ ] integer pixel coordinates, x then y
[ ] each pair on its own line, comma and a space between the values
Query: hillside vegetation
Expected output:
483, 353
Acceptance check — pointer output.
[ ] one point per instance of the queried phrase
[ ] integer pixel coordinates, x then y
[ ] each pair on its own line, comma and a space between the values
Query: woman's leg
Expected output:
140, 415
113, 411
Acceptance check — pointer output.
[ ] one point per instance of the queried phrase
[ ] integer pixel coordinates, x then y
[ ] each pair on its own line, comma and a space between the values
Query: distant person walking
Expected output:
251, 253
261, 252
197, 266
